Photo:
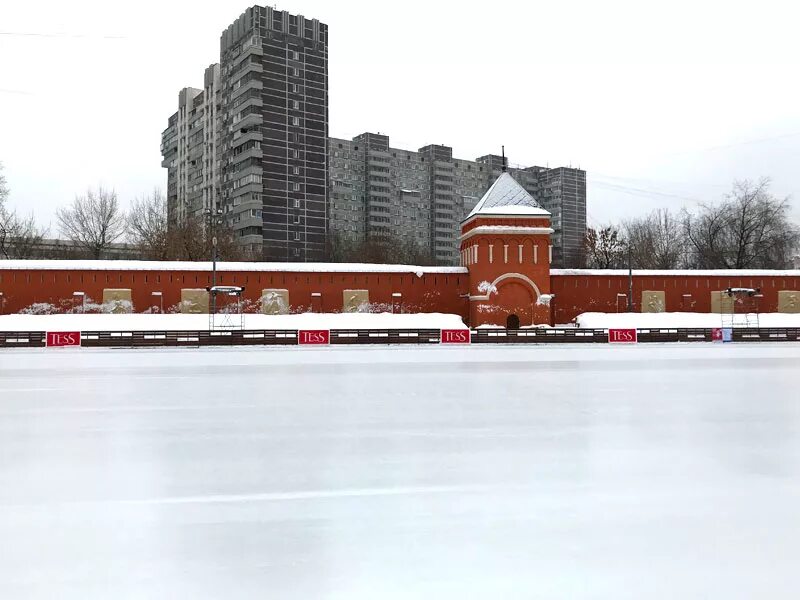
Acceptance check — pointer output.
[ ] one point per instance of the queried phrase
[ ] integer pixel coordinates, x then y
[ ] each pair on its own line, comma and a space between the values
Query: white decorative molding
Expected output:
503, 277
506, 230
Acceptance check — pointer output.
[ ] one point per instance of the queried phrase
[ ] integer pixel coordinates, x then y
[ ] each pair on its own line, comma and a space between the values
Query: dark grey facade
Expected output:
274, 131
254, 143
422, 197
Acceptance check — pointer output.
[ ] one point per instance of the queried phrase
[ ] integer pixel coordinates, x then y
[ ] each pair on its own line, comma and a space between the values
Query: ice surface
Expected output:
484, 472
143, 322
684, 320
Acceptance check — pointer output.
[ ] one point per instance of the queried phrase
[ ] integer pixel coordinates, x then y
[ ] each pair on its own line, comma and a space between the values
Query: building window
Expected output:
296, 104
296, 170
295, 121
297, 203
296, 187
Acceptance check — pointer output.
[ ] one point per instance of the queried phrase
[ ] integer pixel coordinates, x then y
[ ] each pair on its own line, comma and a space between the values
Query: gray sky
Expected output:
662, 104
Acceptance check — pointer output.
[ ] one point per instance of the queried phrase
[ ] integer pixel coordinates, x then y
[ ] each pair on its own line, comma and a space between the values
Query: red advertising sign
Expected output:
314, 336
455, 336
716, 334
622, 336
59, 339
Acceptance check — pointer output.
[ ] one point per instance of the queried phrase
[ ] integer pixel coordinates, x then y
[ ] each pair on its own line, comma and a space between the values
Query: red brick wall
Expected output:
433, 292
575, 294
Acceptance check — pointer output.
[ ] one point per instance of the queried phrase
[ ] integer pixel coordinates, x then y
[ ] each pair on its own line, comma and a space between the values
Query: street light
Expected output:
630, 281
214, 218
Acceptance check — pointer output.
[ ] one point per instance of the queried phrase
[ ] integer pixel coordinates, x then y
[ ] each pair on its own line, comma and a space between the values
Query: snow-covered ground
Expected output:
681, 320
658, 471
141, 322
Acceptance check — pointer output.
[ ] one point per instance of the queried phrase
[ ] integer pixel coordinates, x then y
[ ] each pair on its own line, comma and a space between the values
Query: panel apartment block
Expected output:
188, 149
274, 150
417, 197
423, 196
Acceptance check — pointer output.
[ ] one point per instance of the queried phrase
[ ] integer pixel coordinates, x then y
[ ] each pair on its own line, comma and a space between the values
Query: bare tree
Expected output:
388, 249
656, 241
191, 240
20, 237
605, 248
750, 229
94, 221
148, 226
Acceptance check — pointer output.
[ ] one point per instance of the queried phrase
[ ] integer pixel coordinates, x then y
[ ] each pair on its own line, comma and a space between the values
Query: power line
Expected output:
61, 35
20, 92
643, 192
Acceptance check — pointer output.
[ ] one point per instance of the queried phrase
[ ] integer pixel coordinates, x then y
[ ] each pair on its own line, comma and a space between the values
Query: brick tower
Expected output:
505, 245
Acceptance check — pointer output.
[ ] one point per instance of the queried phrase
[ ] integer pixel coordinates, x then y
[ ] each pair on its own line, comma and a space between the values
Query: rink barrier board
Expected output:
261, 337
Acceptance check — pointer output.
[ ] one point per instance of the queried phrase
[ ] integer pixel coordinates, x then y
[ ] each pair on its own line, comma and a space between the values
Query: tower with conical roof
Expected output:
505, 245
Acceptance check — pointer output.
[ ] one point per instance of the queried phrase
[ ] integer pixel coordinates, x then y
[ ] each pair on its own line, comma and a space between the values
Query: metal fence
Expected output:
22, 339
149, 339
263, 337
385, 336
539, 336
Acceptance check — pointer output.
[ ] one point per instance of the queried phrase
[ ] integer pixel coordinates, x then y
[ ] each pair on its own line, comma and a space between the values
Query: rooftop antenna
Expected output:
503, 151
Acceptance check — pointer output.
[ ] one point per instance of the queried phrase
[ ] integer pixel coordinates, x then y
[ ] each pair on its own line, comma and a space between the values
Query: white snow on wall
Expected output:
679, 320
679, 272
485, 287
173, 322
148, 265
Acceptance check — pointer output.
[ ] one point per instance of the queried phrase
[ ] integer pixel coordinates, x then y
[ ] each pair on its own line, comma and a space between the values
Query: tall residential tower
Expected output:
274, 131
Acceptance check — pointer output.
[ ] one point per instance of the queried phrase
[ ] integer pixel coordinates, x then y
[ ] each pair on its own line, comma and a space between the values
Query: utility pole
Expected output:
214, 217
630, 281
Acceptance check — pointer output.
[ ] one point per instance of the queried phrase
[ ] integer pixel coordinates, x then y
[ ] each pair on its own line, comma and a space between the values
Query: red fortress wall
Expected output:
578, 291
428, 290
422, 289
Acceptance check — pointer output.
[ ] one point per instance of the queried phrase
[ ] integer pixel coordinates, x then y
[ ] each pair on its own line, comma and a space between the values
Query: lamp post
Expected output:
630, 281
214, 218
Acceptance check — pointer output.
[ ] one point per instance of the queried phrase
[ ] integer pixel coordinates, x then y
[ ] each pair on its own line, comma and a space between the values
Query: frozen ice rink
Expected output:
433, 472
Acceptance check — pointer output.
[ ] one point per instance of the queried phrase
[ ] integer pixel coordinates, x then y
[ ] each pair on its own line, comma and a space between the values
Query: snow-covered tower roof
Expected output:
507, 197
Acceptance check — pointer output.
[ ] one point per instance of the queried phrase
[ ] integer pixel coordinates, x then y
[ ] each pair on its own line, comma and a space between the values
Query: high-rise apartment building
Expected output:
418, 197
422, 196
254, 142
188, 148
562, 191
274, 151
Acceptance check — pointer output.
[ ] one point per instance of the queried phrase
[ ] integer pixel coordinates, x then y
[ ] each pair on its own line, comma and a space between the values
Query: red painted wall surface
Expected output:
433, 292
438, 292
576, 294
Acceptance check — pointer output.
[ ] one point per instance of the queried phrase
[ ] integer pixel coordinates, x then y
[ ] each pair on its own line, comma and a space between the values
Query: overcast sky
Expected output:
663, 104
